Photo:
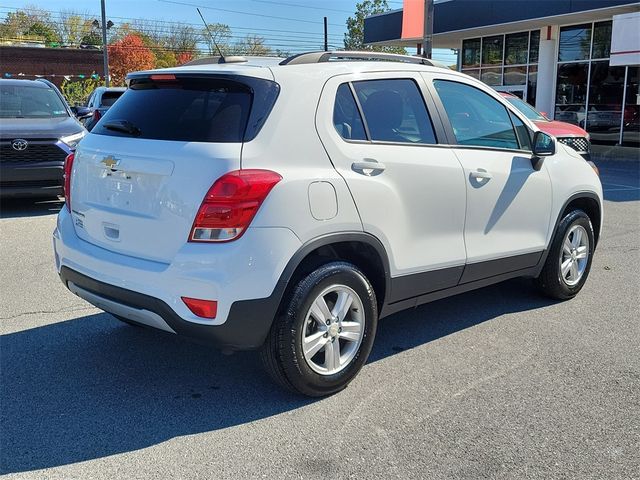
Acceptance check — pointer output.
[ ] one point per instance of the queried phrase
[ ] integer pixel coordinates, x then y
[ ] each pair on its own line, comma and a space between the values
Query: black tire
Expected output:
550, 281
282, 353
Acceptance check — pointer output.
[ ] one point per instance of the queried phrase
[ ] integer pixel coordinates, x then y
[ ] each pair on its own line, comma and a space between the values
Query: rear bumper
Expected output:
245, 328
241, 276
31, 179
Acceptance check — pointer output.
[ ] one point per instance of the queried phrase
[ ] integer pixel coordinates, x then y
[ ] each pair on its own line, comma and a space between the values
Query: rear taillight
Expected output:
202, 308
96, 116
230, 205
68, 166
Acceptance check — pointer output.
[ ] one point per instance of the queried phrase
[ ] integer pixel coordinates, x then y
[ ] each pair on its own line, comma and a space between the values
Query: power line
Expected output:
303, 6
197, 26
244, 13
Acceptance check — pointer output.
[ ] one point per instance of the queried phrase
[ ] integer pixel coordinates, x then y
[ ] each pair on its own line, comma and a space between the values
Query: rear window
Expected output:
109, 98
190, 109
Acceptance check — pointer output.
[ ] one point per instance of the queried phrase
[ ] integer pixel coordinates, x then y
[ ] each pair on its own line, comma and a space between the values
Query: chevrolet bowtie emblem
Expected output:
110, 162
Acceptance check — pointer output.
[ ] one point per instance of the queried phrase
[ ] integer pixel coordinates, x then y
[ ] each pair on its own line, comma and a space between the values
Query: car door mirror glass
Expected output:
543, 144
82, 112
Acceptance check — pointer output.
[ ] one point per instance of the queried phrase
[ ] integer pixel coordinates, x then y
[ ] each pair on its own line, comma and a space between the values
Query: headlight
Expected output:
73, 140
588, 137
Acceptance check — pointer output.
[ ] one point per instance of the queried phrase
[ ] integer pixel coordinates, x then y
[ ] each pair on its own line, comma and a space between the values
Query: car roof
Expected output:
271, 67
23, 83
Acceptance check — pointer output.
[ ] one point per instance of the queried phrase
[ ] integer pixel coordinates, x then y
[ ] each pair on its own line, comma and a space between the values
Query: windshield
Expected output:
529, 112
30, 102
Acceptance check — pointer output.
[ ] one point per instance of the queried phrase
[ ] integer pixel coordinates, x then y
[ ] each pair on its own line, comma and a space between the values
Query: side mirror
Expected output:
544, 145
82, 113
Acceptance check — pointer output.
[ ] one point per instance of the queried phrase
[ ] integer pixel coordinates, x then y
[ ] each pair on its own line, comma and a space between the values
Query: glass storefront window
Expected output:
515, 75
492, 50
491, 76
601, 40
605, 103
631, 127
473, 73
534, 46
516, 49
471, 53
575, 43
532, 84
571, 93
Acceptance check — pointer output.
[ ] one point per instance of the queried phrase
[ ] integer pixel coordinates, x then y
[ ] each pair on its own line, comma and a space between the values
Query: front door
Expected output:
508, 200
409, 191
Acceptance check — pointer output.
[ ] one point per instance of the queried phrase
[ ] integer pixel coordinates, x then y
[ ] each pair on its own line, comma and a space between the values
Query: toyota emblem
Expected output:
19, 144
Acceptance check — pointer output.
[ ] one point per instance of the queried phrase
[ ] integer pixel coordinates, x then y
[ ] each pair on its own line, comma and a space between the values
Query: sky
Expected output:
297, 24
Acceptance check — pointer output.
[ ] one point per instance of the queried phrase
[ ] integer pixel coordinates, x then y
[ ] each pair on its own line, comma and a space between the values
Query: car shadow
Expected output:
92, 387
29, 207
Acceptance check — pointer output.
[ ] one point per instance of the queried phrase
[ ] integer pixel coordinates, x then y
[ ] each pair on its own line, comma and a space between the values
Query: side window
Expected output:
522, 131
395, 111
346, 117
90, 101
476, 118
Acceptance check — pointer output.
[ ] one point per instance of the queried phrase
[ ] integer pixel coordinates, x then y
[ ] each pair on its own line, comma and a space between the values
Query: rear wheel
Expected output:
569, 261
324, 337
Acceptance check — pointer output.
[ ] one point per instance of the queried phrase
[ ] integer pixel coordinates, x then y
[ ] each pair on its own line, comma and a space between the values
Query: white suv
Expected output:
288, 205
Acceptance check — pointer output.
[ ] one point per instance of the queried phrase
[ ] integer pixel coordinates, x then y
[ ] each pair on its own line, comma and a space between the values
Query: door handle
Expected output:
372, 167
481, 175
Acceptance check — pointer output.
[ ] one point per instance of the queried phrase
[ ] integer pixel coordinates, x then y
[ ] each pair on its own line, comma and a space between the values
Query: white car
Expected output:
288, 205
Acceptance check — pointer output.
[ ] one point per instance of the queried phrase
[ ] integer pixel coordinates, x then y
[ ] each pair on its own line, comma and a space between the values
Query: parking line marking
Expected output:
620, 185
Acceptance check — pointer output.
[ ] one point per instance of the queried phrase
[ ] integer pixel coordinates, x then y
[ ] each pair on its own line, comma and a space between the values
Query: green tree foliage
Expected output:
31, 22
354, 38
77, 91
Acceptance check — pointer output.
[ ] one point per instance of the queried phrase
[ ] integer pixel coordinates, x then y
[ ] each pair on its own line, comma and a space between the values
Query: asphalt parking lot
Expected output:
496, 383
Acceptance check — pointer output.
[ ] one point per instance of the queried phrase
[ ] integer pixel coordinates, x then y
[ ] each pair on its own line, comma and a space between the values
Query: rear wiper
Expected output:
123, 126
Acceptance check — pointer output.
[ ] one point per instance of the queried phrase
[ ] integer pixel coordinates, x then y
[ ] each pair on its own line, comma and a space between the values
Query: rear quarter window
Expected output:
191, 110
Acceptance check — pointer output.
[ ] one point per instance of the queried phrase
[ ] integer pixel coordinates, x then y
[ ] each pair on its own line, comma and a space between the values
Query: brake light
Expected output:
68, 166
163, 77
97, 115
202, 308
230, 205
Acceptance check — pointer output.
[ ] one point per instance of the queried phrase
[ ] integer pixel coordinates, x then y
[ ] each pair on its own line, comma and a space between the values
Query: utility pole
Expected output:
105, 53
427, 41
326, 36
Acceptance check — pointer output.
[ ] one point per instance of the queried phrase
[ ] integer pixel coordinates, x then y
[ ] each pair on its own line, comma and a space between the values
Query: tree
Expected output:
251, 45
72, 27
77, 92
221, 35
30, 21
128, 55
184, 57
354, 38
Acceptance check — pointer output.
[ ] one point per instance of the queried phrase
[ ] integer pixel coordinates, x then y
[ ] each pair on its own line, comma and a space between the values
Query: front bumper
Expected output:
31, 179
241, 276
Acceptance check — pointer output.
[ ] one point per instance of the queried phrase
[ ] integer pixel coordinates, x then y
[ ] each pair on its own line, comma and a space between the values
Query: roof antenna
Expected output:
211, 35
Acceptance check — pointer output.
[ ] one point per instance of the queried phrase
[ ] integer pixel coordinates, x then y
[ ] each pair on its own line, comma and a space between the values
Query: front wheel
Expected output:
324, 337
569, 261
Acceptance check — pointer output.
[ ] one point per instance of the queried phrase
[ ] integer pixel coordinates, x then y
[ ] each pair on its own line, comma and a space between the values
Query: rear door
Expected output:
409, 191
140, 176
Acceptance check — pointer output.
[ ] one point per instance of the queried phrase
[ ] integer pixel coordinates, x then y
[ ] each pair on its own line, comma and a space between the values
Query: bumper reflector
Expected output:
202, 308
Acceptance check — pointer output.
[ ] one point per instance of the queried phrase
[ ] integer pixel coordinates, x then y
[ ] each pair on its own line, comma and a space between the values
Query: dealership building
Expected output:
576, 60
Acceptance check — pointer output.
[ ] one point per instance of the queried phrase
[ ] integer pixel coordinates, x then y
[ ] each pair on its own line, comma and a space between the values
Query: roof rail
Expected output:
322, 56
211, 60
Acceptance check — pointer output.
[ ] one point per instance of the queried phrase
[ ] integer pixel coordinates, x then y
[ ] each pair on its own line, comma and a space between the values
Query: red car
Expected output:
567, 133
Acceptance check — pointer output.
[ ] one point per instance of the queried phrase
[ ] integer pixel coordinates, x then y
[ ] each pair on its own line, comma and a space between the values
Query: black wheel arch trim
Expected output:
572, 198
